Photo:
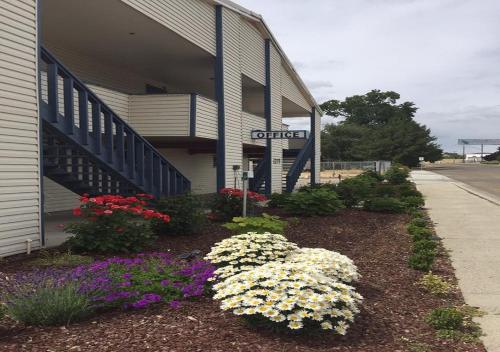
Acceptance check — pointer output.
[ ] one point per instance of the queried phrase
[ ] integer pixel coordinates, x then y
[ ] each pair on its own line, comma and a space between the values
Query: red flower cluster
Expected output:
108, 204
238, 193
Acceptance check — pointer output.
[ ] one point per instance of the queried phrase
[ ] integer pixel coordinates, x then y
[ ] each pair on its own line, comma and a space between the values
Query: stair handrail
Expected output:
298, 165
258, 175
55, 67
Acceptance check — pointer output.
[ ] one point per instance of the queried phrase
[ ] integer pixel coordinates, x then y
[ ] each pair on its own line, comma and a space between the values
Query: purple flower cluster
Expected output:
143, 280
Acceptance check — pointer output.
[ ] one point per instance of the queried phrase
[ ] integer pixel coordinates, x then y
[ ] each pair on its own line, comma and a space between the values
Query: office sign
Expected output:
299, 134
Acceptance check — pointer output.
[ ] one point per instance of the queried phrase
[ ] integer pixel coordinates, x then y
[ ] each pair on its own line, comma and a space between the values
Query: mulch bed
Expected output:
392, 317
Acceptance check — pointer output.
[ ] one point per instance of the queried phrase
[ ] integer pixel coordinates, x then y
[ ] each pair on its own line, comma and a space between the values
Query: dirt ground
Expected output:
391, 320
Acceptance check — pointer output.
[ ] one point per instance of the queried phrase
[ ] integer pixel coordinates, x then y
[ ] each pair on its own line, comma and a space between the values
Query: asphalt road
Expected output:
483, 177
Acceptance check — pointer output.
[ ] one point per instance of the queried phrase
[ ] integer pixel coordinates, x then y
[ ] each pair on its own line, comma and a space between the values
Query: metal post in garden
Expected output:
245, 193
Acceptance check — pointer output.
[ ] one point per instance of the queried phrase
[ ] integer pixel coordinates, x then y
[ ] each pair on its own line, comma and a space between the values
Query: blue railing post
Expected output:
69, 108
52, 92
83, 114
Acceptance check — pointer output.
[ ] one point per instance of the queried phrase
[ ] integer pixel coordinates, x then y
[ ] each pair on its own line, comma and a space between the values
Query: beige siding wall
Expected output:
192, 19
160, 115
290, 90
19, 142
249, 123
198, 168
252, 51
232, 92
117, 101
57, 197
206, 118
276, 120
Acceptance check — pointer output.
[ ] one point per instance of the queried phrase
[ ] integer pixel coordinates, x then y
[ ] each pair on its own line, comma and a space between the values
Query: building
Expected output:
122, 96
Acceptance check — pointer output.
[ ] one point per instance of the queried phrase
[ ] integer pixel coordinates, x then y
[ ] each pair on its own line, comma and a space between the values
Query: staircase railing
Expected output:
259, 175
101, 133
298, 166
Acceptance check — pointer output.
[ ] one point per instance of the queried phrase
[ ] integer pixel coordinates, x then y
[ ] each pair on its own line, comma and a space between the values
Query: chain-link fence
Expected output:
380, 166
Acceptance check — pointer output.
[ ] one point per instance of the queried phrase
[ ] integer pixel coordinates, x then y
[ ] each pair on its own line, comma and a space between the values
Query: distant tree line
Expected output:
376, 127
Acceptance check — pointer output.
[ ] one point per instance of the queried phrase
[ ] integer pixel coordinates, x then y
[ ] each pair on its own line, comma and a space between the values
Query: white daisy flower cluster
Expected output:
286, 294
246, 251
334, 265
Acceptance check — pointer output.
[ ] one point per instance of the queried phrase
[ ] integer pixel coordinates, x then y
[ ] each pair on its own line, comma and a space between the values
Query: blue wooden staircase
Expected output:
293, 165
88, 148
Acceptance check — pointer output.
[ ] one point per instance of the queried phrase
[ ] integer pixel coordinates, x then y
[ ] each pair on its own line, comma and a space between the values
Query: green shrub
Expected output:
326, 186
186, 212
278, 200
421, 261
56, 259
435, 284
446, 319
413, 202
355, 190
417, 214
259, 224
385, 190
424, 246
319, 202
397, 174
373, 175
419, 233
419, 222
49, 305
409, 190
384, 205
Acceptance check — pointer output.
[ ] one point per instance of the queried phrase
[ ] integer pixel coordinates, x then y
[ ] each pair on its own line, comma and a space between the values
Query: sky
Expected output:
444, 55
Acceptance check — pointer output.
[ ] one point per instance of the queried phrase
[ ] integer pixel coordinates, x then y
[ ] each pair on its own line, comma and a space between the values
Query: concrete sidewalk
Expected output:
468, 221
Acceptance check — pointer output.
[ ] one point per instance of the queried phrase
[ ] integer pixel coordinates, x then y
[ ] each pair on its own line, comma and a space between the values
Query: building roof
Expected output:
259, 21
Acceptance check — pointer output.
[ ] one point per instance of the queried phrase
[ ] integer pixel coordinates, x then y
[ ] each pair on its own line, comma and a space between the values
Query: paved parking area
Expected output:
483, 177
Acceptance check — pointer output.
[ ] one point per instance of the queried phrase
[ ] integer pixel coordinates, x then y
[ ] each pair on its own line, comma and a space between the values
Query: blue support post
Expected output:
268, 116
313, 152
219, 94
52, 92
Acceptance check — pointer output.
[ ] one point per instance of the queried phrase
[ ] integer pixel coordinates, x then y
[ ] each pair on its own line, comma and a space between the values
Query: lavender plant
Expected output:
44, 297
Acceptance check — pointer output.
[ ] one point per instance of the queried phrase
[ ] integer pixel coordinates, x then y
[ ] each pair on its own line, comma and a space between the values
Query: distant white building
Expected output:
475, 157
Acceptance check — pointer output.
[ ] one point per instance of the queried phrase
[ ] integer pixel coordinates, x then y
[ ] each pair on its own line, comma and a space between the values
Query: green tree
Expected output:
376, 127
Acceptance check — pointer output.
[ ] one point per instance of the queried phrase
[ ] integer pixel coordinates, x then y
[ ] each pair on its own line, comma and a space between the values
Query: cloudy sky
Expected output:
444, 55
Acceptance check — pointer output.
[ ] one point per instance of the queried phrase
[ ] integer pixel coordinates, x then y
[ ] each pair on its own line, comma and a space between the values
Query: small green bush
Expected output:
397, 174
419, 233
446, 319
326, 186
278, 200
419, 222
424, 246
373, 175
413, 202
50, 306
56, 259
417, 214
186, 212
435, 284
384, 205
258, 224
355, 190
385, 190
408, 190
318, 202
421, 261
